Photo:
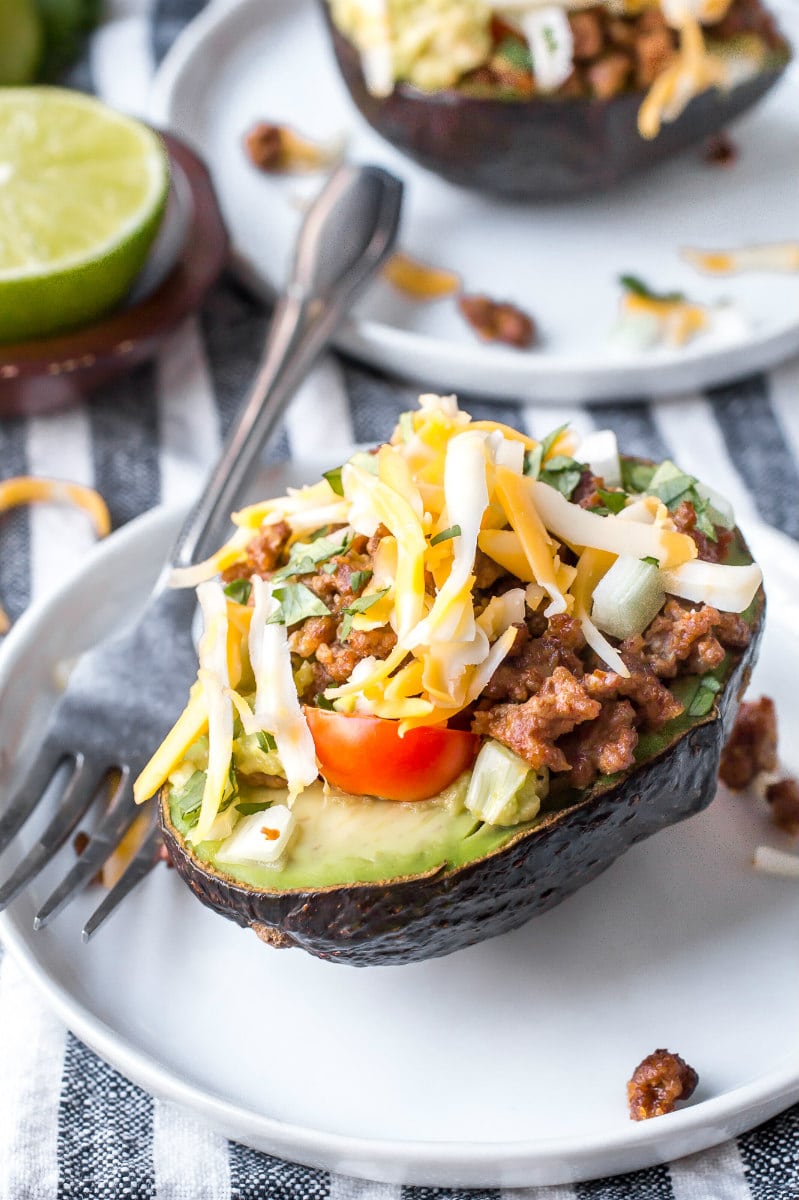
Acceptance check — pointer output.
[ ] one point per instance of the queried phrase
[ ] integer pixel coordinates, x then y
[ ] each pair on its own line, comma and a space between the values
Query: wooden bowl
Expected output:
187, 258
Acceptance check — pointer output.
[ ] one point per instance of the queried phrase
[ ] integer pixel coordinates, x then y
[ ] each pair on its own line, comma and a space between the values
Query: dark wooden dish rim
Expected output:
41, 375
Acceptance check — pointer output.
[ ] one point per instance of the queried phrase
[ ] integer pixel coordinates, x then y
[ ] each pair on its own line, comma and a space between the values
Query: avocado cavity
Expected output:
340, 839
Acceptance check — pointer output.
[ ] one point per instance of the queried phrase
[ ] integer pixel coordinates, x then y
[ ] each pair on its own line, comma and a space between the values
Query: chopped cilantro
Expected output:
560, 462
636, 476
360, 605
266, 741
534, 458
365, 602
318, 533
673, 486
631, 283
670, 484
563, 474
306, 556
359, 580
549, 441
246, 808
297, 603
516, 53
323, 702
333, 477
445, 535
532, 461
296, 566
703, 521
189, 798
612, 502
239, 590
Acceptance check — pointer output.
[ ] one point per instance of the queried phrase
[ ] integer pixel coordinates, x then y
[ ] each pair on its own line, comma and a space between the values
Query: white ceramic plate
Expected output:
269, 59
504, 1064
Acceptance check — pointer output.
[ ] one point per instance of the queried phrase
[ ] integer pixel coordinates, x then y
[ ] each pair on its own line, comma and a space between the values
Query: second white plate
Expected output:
468, 1070
246, 60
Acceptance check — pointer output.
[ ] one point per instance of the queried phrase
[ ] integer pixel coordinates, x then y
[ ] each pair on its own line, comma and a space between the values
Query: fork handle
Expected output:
348, 234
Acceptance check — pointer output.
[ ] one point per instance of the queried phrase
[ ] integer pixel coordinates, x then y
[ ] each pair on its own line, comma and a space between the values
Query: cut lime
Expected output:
82, 194
21, 41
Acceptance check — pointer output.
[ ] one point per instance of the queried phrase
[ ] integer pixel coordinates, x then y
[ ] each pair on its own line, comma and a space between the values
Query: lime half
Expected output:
82, 194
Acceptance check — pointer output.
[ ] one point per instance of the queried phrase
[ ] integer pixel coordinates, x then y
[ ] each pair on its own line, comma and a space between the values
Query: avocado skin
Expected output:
540, 149
430, 916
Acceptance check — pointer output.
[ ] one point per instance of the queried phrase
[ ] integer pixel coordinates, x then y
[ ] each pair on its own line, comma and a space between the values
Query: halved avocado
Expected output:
492, 880
544, 148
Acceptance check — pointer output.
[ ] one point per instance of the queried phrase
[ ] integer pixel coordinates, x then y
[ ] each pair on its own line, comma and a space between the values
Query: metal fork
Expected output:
124, 695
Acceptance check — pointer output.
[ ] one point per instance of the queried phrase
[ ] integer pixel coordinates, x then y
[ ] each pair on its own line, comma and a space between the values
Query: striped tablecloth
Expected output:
70, 1126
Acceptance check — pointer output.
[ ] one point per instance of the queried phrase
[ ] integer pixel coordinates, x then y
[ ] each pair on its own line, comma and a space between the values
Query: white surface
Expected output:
504, 1064
251, 60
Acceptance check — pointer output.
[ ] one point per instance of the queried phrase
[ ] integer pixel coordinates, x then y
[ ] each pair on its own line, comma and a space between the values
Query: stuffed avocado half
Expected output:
449, 684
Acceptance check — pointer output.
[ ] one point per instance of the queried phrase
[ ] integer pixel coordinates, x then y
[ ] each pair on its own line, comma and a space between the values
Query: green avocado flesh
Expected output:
359, 839
342, 839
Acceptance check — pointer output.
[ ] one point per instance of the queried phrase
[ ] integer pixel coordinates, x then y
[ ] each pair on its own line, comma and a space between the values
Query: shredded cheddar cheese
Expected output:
695, 70
779, 256
442, 492
30, 489
419, 281
680, 321
523, 517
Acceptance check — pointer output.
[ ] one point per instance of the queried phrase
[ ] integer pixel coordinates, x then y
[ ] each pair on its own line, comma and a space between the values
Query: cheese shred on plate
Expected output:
417, 527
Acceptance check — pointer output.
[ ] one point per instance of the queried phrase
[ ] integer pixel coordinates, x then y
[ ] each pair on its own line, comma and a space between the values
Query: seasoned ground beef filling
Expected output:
551, 701
612, 54
318, 639
683, 640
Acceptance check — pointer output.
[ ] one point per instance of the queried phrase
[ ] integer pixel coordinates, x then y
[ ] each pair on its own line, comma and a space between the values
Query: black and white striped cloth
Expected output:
72, 1128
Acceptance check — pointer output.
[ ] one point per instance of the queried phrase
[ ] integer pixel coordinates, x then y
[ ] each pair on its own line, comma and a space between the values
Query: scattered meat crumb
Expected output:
419, 281
783, 798
498, 322
80, 842
752, 745
165, 856
720, 150
658, 1084
278, 150
264, 145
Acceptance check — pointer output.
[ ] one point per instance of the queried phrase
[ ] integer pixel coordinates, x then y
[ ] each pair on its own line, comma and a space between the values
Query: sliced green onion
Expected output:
627, 598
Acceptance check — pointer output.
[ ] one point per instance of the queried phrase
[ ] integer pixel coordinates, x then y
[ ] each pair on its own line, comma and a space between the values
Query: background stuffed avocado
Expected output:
544, 147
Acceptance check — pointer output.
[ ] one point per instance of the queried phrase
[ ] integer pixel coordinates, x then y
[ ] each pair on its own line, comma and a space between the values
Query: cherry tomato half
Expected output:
367, 756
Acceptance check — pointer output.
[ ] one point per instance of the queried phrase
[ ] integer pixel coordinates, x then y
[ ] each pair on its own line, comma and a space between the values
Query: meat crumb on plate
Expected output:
498, 322
752, 746
658, 1084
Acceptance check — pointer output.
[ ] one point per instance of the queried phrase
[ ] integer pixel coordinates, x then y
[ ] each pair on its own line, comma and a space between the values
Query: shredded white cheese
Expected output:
215, 682
776, 862
277, 707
